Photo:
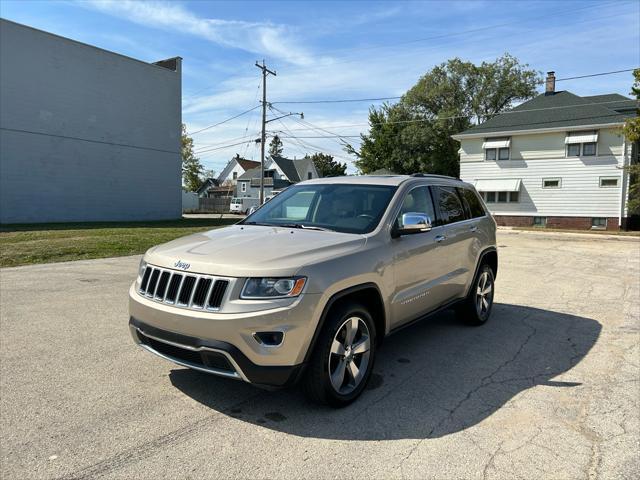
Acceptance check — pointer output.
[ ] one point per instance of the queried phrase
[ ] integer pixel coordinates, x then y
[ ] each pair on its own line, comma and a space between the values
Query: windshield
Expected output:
347, 208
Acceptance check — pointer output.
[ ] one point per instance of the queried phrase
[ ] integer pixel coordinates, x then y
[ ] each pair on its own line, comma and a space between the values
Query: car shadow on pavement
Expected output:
431, 379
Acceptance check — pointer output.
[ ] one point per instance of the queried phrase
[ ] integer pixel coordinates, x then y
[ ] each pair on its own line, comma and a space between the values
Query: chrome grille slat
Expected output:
167, 286
217, 294
193, 291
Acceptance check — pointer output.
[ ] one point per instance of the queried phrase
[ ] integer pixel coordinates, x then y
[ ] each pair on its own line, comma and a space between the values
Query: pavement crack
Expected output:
148, 449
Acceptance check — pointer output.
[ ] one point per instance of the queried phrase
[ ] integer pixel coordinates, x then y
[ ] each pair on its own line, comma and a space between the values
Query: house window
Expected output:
309, 175
573, 150
496, 148
599, 223
608, 182
551, 183
243, 187
582, 143
540, 221
501, 197
589, 149
235, 175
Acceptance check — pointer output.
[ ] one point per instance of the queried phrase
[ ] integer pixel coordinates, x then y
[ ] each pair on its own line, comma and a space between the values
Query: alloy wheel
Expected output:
349, 355
484, 294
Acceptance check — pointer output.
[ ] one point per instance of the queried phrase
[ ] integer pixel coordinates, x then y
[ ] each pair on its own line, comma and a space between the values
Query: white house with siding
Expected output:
556, 160
235, 168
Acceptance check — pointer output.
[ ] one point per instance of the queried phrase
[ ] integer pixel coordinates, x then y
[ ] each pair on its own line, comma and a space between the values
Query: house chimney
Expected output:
550, 83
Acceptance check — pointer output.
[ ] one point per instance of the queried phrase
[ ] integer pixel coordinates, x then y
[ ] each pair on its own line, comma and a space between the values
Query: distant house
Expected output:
279, 173
209, 183
556, 160
235, 168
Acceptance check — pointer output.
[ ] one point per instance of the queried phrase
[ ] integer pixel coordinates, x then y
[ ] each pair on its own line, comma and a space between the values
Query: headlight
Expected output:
141, 268
273, 287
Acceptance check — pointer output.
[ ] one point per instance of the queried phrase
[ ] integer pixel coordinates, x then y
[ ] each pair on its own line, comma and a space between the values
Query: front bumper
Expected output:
215, 357
224, 343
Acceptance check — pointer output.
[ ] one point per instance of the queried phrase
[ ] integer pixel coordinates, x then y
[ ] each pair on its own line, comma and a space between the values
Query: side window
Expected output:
449, 204
417, 200
473, 202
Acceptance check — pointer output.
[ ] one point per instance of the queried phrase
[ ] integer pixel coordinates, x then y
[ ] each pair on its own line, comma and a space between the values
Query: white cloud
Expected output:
277, 41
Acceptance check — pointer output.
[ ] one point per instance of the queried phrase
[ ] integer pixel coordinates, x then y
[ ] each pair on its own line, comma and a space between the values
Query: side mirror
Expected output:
413, 222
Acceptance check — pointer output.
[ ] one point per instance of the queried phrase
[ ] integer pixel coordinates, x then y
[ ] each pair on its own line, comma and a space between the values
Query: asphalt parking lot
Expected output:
549, 388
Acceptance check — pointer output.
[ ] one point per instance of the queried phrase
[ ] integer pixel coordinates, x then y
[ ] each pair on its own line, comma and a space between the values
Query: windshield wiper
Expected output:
304, 227
259, 224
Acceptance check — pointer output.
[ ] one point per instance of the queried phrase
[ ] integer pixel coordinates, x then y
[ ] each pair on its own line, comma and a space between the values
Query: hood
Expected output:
252, 250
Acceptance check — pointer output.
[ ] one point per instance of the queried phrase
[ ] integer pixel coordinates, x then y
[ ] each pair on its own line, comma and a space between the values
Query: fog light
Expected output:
269, 339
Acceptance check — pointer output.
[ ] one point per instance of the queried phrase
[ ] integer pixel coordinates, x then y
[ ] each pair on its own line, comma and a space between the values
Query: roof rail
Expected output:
433, 175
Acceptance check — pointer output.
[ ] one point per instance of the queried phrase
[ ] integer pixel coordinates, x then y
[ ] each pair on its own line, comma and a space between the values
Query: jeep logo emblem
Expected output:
182, 265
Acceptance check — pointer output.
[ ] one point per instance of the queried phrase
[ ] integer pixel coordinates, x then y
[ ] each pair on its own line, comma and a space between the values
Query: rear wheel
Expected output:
476, 308
342, 361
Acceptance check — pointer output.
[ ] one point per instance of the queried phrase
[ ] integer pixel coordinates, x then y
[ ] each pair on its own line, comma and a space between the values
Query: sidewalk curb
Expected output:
587, 236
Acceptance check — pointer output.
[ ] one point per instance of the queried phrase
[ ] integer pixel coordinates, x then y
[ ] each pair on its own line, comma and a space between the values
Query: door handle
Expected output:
474, 229
439, 238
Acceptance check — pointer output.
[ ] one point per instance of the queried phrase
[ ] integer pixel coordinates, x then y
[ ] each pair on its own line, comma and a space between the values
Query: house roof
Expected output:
559, 110
249, 174
209, 182
243, 162
288, 167
248, 164
294, 170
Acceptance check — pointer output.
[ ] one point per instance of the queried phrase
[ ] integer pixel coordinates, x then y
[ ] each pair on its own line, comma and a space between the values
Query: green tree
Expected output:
192, 169
275, 147
327, 166
414, 135
632, 133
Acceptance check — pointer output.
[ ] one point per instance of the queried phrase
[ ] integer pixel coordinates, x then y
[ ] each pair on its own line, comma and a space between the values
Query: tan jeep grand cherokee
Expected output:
308, 286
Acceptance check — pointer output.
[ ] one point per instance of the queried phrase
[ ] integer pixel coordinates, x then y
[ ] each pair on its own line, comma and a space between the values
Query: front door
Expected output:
420, 267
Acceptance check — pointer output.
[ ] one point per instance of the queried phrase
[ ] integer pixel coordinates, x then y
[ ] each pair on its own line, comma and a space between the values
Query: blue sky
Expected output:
338, 50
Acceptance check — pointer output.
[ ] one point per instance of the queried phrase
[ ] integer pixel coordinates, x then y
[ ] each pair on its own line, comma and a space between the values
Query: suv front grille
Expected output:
187, 290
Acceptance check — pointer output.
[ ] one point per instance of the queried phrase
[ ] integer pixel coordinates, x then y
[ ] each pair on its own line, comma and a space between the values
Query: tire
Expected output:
342, 360
476, 308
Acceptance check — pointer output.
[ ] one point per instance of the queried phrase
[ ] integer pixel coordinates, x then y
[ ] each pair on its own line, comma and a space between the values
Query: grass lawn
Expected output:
61, 242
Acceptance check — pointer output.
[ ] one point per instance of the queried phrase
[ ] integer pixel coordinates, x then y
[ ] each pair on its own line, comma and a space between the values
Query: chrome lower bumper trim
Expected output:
237, 374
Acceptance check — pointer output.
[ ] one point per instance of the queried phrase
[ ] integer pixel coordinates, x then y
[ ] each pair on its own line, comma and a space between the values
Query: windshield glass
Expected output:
347, 208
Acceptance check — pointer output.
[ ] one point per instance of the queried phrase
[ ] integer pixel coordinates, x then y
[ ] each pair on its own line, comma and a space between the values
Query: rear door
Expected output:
456, 241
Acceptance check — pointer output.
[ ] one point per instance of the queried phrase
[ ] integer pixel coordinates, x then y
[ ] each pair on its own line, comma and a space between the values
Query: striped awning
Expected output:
498, 185
497, 143
582, 138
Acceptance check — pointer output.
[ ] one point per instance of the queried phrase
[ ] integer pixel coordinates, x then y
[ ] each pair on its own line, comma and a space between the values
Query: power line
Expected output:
204, 146
339, 101
451, 117
225, 146
224, 121
323, 136
596, 74
349, 100
320, 129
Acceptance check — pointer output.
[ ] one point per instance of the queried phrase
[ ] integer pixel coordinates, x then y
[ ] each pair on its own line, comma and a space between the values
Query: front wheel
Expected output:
342, 361
476, 308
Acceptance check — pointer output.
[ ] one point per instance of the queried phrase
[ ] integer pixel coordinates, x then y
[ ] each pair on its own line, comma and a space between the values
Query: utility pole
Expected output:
265, 72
